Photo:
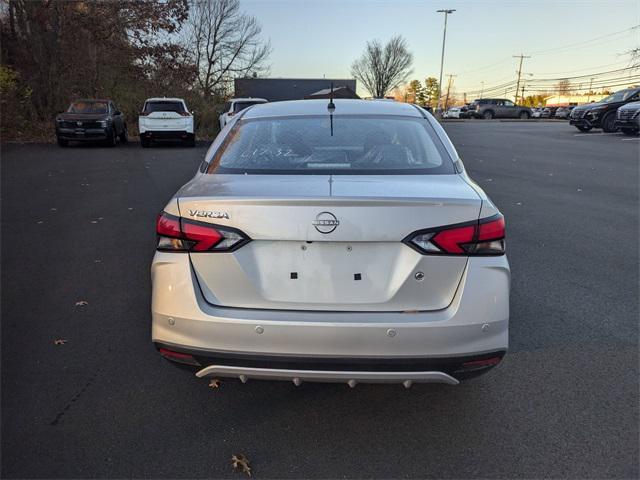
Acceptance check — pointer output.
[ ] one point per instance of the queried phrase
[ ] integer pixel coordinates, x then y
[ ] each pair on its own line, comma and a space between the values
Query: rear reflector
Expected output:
178, 357
481, 237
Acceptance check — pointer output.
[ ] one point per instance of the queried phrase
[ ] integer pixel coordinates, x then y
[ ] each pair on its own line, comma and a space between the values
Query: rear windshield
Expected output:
358, 145
89, 107
163, 106
239, 106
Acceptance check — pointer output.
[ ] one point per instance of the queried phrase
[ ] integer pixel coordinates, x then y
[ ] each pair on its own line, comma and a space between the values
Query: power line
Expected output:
581, 43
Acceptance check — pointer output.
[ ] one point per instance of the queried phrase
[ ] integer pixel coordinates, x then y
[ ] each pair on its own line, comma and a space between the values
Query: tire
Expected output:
63, 143
145, 143
630, 131
111, 138
524, 115
191, 141
123, 135
584, 129
488, 115
608, 123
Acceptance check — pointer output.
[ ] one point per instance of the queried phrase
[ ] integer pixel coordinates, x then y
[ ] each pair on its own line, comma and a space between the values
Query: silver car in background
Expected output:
332, 241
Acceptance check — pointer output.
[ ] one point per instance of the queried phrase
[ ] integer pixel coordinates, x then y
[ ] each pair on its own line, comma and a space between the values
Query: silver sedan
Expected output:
332, 241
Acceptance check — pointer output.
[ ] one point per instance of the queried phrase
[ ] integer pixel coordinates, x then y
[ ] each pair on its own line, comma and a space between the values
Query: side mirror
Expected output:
117, 112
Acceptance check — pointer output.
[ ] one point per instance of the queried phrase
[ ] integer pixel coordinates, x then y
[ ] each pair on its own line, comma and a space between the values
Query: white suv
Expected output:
165, 119
236, 105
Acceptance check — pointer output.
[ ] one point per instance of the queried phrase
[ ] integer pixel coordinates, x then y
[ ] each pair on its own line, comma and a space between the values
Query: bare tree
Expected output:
224, 44
383, 68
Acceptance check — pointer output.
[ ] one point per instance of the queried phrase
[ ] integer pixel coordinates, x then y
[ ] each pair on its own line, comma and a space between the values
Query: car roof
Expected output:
319, 107
91, 100
164, 99
248, 99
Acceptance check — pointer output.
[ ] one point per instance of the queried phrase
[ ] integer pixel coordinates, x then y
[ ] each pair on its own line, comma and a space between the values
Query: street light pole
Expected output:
444, 39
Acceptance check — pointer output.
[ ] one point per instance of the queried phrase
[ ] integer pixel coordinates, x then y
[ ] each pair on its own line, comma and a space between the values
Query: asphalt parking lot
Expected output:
78, 226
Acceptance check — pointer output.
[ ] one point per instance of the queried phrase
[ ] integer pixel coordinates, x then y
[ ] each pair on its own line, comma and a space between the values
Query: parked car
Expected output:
602, 114
456, 112
235, 106
91, 120
562, 113
356, 250
489, 108
166, 119
548, 112
535, 112
628, 118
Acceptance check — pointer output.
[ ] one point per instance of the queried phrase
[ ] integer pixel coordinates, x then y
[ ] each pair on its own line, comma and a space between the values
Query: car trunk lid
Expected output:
323, 242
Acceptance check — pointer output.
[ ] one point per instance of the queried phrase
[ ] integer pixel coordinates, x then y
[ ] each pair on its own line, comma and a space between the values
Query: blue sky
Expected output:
323, 37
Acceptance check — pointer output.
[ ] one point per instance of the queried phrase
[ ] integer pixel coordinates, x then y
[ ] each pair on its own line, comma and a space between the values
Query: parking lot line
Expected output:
628, 139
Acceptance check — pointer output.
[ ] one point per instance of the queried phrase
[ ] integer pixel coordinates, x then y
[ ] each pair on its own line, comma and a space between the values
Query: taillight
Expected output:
481, 237
144, 114
177, 234
185, 114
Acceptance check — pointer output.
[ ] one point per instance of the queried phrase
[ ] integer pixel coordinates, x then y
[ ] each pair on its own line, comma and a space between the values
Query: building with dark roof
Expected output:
278, 89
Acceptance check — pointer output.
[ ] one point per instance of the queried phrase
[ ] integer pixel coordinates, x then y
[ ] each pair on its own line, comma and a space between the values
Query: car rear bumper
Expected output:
89, 134
473, 326
166, 135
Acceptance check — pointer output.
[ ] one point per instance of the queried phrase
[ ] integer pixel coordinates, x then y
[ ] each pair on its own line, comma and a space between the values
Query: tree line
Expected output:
53, 51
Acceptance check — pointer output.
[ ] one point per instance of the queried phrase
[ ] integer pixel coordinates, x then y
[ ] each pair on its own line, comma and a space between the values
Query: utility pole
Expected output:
521, 57
589, 93
444, 39
446, 102
482, 89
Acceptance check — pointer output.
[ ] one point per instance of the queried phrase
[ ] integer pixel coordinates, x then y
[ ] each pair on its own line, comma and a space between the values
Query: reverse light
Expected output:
481, 237
176, 234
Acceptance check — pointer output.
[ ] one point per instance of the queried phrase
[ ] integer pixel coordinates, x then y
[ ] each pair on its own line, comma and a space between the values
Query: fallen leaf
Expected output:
240, 462
215, 383
59, 341
81, 303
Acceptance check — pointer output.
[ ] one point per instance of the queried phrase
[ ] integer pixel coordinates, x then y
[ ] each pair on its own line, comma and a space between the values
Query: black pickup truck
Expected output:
91, 120
602, 114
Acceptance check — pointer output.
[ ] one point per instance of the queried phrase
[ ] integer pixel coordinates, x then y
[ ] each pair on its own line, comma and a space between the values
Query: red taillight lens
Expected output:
185, 114
483, 237
177, 234
144, 114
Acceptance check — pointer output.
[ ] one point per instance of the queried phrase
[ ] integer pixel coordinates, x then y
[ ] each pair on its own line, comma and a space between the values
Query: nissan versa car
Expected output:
332, 241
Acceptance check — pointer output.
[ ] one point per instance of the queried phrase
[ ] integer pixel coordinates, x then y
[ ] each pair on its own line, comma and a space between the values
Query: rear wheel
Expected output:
144, 142
488, 115
630, 131
123, 135
63, 143
582, 128
524, 115
609, 123
190, 141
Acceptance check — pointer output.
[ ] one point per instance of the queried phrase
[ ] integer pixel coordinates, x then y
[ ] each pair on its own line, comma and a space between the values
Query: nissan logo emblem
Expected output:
325, 222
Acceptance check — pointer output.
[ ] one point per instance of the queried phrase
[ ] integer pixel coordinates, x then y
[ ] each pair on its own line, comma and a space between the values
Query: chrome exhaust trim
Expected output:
351, 378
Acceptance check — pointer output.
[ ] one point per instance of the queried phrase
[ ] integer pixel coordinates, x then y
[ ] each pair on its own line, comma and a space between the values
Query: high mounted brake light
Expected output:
176, 234
481, 237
